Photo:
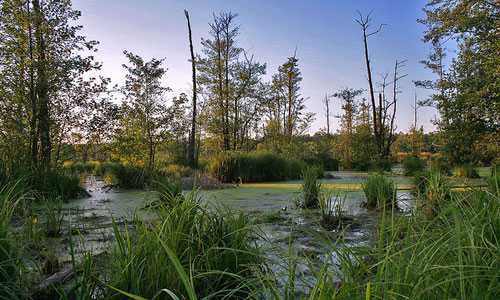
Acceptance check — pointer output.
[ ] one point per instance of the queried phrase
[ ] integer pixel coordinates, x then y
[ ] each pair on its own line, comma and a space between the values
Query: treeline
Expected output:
50, 102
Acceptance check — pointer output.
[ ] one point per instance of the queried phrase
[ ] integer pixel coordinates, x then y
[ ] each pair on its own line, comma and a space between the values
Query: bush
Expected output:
190, 251
413, 165
254, 167
466, 171
310, 188
379, 191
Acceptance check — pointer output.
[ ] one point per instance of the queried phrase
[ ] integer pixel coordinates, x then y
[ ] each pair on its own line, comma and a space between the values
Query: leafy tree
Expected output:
41, 50
468, 90
231, 81
144, 110
349, 107
287, 106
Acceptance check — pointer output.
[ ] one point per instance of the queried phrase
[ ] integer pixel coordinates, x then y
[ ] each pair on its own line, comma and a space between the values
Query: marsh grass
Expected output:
380, 192
332, 210
54, 217
190, 251
432, 192
254, 167
311, 188
11, 287
454, 255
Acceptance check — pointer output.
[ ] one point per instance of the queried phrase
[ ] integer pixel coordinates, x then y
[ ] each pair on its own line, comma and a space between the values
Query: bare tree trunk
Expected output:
192, 137
327, 105
227, 142
32, 93
364, 22
42, 90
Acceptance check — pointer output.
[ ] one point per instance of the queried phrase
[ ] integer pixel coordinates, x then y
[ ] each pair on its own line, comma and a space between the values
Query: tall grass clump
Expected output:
10, 271
189, 251
52, 184
332, 210
124, 176
311, 188
413, 165
432, 192
455, 255
494, 180
254, 167
379, 191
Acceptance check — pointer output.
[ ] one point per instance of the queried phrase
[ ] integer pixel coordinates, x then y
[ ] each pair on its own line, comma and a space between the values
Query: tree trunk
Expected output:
32, 94
42, 90
192, 138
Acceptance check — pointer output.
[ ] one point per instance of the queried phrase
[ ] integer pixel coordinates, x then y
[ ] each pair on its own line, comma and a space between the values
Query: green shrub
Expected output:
254, 167
466, 171
311, 188
379, 191
214, 247
413, 165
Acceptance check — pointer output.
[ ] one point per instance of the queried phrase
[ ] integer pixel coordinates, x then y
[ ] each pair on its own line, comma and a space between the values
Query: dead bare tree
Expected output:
326, 102
365, 23
192, 137
395, 91
383, 114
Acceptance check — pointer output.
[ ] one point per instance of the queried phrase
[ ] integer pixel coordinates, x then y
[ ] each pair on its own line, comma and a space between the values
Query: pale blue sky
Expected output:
328, 41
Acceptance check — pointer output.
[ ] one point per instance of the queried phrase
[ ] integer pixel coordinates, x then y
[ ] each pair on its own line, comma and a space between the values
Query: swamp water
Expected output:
283, 229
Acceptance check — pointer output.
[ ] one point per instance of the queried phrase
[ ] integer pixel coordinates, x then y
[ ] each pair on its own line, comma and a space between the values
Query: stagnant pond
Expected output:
283, 227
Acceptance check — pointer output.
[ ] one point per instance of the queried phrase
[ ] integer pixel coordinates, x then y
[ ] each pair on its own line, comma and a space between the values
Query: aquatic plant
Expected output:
379, 191
413, 165
332, 210
213, 246
432, 191
254, 167
54, 217
311, 188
